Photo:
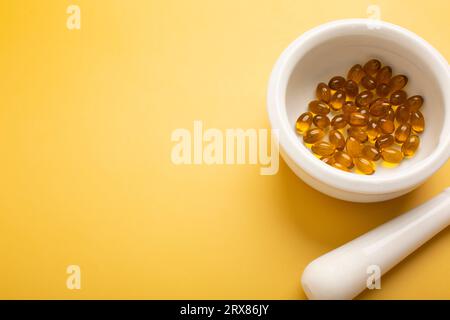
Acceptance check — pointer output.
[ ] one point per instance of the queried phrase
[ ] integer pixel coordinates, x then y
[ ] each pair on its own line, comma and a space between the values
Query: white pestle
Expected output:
343, 272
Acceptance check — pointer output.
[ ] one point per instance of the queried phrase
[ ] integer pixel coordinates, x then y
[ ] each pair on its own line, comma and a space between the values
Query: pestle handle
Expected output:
343, 272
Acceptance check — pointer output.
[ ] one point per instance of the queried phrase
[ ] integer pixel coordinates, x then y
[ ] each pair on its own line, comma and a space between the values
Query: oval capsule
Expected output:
371, 153
356, 73
336, 82
402, 114
383, 90
414, 103
338, 121
337, 139
402, 132
304, 122
313, 135
353, 147
323, 92
410, 146
386, 125
321, 121
417, 121
384, 141
390, 114
358, 119
364, 165
373, 131
369, 82
344, 158
398, 97
323, 148
358, 133
398, 82
337, 100
384, 75
351, 88
392, 155
339, 166
364, 98
379, 107
372, 66
328, 160
319, 107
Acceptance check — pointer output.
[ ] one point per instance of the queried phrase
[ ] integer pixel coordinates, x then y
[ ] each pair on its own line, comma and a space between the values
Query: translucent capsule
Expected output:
337, 139
390, 114
364, 98
319, 107
358, 119
364, 165
383, 90
344, 158
373, 131
348, 108
304, 122
369, 82
323, 92
414, 103
398, 82
417, 121
339, 166
337, 82
364, 111
353, 147
356, 73
338, 121
337, 100
410, 146
321, 121
402, 114
402, 132
386, 125
384, 75
398, 97
351, 88
372, 66
379, 107
313, 135
323, 148
371, 153
328, 160
392, 155
384, 141
358, 133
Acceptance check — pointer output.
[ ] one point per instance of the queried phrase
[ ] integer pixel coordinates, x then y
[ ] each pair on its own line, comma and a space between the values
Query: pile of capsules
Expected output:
372, 118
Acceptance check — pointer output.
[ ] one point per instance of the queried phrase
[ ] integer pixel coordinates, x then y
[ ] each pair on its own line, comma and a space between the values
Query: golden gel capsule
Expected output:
328, 160
337, 139
379, 107
339, 166
372, 66
323, 92
351, 88
364, 111
373, 131
319, 107
390, 114
371, 153
336, 83
398, 97
417, 121
338, 121
304, 122
402, 114
364, 165
398, 82
356, 73
354, 147
384, 75
343, 158
348, 108
358, 119
383, 90
313, 135
323, 148
391, 154
321, 121
358, 133
386, 125
384, 141
414, 103
337, 100
369, 82
364, 98
410, 146
402, 132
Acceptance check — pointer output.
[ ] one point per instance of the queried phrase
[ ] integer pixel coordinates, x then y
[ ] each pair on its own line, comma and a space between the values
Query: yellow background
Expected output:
86, 176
